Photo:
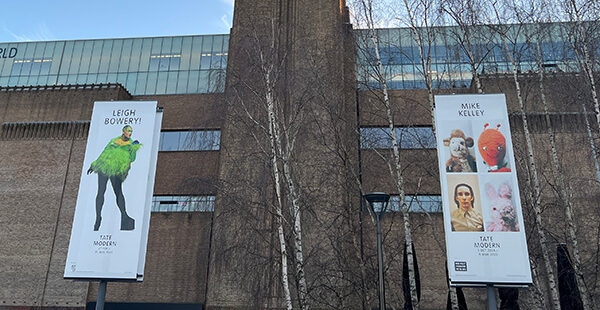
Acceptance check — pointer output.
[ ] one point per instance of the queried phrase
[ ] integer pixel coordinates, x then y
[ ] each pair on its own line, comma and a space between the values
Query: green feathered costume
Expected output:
116, 159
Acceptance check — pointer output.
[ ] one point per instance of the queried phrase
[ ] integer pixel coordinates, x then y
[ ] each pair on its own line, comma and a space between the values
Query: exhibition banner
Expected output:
112, 215
483, 218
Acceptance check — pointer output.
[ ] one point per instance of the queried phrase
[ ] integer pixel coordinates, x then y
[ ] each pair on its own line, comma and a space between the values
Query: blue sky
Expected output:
39, 20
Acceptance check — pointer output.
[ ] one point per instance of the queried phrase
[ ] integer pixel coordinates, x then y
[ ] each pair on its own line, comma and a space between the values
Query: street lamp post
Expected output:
377, 204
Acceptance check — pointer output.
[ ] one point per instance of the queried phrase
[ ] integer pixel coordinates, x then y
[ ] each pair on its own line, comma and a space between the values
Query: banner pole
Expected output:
491, 296
101, 295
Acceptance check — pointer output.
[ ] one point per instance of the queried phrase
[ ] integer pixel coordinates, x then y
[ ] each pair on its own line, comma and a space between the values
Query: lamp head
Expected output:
377, 203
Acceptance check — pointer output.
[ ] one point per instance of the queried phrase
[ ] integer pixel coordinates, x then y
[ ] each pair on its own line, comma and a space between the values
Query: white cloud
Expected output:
225, 21
40, 33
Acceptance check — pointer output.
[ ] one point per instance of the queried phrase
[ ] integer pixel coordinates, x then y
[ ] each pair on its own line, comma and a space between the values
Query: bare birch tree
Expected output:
281, 131
467, 33
421, 16
508, 36
366, 14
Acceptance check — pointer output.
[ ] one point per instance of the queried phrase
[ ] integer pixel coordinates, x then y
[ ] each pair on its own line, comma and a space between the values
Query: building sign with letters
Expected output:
483, 218
112, 215
8, 52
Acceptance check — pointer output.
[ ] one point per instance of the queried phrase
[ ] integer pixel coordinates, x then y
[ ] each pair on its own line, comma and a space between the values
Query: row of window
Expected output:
416, 204
160, 62
410, 55
145, 66
196, 140
183, 203
157, 83
450, 68
407, 137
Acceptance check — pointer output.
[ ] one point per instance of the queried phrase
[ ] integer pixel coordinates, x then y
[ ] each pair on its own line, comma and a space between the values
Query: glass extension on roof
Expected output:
450, 66
145, 66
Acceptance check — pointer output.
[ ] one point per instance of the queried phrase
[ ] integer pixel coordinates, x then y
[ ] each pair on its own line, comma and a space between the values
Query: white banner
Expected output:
483, 218
112, 216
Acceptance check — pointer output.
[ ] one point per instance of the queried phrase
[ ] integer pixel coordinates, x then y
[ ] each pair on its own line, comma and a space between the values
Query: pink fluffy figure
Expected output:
503, 215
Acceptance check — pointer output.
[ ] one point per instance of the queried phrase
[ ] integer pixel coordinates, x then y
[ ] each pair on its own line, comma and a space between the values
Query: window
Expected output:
408, 138
199, 140
417, 204
164, 62
183, 203
31, 66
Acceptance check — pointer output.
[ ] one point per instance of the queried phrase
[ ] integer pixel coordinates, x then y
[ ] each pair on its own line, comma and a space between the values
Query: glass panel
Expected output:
164, 62
125, 56
57, 58
13, 81
102, 78
207, 44
136, 51
175, 61
115, 55
64, 68
161, 85
23, 80
105, 57
205, 60
166, 46
95, 57
408, 138
111, 78
72, 79
418, 203
86, 57
169, 140
151, 83
43, 80
122, 78
82, 78
154, 63
171, 83
76, 57
145, 54
92, 78
29, 49
140, 86
203, 81
182, 82
131, 82
16, 67
190, 140
217, 43
196, 53
192, 87
32, 80
26, 66
186, 53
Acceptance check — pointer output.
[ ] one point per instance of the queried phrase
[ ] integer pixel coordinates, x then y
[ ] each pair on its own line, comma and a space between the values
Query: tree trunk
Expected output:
272, 132
399, 179
536, 183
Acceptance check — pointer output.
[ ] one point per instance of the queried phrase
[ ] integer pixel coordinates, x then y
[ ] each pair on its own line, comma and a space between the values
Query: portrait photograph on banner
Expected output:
483, 217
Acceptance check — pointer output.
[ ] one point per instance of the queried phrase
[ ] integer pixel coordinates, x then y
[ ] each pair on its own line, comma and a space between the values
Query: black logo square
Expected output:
460, 266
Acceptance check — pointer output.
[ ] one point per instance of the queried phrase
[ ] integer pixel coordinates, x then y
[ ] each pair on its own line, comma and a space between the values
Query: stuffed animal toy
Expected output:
460, 158
492, 147
503, 215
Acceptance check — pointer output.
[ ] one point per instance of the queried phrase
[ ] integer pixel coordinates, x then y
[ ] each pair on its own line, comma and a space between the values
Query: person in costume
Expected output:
465, 217
492, 147
113, 164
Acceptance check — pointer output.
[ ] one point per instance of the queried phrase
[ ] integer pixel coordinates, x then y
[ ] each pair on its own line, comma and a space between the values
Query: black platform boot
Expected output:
127, 223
